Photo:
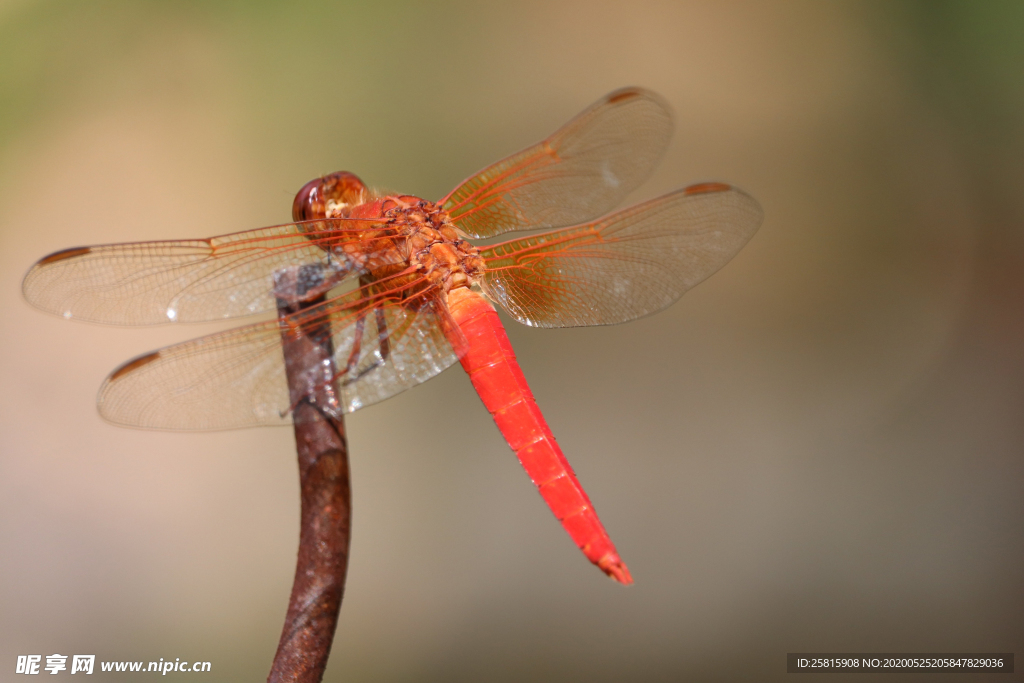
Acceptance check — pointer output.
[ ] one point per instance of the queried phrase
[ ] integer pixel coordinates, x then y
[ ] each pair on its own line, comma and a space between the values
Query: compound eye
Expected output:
328, 197
341, 190
308, 204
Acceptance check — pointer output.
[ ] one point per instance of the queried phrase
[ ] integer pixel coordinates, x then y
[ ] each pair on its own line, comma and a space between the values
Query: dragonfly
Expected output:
404, 294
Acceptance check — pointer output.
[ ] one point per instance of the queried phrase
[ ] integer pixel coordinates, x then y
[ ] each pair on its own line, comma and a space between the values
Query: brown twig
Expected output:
326, 497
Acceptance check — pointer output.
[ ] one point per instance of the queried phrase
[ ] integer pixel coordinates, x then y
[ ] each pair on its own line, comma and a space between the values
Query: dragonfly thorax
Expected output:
432, 244
412, 234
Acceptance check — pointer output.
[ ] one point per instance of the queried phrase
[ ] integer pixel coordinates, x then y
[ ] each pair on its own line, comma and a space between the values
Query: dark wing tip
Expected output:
35, 293
706, 188
624, 94
134, 363
752, 206
633, 93
63, 254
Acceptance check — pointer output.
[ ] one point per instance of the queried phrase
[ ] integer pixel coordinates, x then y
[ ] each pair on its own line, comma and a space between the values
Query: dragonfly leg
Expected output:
357, 344
382, 341
382, 333
353, 361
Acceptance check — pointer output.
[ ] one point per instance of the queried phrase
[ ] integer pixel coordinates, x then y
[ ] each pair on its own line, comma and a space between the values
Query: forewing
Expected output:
237, 378
624, 266
582, 171
142, 283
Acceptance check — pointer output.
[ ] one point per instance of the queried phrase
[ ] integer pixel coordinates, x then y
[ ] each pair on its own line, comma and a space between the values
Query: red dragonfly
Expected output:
408, 296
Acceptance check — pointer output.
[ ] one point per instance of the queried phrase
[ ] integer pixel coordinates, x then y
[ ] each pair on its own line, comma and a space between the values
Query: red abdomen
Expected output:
494, 372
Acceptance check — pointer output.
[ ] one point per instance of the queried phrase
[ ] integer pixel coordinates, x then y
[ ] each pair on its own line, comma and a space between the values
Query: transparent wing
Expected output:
142, 283
624, 266
582, 171
382, 346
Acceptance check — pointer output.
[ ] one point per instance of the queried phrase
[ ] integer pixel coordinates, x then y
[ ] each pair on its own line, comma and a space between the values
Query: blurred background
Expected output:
819, 449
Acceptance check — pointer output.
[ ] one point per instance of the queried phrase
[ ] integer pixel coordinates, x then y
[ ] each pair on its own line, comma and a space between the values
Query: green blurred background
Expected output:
819, 449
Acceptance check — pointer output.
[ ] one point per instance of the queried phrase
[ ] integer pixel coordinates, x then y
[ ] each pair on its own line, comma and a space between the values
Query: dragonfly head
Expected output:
327, 197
